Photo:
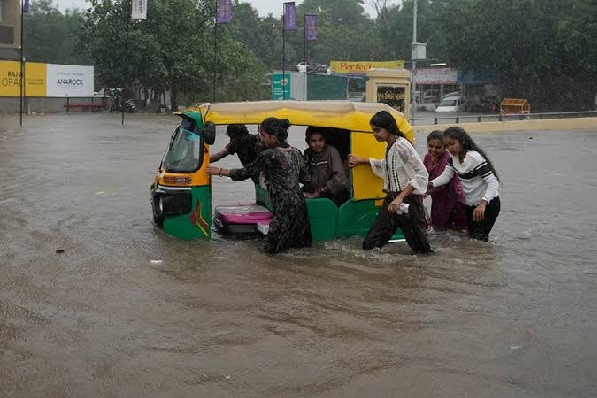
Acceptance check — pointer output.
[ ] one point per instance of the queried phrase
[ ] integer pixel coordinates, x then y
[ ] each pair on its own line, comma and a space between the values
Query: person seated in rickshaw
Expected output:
243, 144
326, 169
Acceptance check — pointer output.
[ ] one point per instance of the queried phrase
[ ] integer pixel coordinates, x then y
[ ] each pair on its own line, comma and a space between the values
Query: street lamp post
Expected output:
419, 52
22, 81
413, 84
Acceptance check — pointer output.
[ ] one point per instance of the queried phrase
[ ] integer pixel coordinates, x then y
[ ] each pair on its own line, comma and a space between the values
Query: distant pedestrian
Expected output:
479, 180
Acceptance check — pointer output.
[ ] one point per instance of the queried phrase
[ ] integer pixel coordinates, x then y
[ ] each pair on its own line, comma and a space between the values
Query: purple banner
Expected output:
311, 27
289, 16
26, 6
224, 11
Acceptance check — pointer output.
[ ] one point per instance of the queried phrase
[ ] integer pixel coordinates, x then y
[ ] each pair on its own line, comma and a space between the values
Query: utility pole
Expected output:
214, 65
22, 81
283, 84
413, 85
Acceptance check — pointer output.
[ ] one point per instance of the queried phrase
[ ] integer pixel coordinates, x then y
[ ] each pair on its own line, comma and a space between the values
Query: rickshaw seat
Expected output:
243, 213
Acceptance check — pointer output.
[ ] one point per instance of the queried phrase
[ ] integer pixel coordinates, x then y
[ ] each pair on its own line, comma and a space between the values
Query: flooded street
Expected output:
94, 302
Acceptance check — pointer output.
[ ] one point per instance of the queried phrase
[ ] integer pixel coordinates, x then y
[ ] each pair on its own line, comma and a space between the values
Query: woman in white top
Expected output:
479, 181
404, 181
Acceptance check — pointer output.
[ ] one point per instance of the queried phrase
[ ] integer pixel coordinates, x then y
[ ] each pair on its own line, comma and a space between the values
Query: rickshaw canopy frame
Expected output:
353, 116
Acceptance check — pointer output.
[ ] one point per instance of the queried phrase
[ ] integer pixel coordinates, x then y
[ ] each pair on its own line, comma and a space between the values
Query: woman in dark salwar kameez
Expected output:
283, 167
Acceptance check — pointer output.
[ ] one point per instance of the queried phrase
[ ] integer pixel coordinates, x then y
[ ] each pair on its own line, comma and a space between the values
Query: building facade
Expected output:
10, 29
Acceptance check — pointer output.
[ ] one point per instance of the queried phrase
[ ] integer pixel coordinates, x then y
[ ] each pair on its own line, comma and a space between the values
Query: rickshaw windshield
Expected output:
185, 153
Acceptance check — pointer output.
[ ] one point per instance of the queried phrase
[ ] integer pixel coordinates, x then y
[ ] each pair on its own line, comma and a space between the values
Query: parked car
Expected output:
430, 96
357, 97
452, 103
305, 67
452, 94
107, 92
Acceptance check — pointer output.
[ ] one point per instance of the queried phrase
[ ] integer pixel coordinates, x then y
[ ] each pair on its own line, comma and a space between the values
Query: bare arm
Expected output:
393, 206
431, 191
490, 193
356, 160
444, 178
222, 153
243, 173
214, 170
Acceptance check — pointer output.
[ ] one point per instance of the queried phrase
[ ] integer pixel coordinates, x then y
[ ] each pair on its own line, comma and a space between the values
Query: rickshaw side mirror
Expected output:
209, 133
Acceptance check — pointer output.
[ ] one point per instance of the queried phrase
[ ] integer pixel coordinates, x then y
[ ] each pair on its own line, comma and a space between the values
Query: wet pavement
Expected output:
95, 302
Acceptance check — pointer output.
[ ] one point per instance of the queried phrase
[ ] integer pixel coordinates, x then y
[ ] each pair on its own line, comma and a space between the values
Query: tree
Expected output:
261, 36
170, 50
543, 51
345, 31
532, 44
49, 35
395, 29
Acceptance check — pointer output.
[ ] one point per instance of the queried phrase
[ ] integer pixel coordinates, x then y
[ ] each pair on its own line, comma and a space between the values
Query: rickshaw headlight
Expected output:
161, 204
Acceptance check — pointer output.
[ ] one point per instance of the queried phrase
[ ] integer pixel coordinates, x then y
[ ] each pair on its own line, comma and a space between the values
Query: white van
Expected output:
451, 103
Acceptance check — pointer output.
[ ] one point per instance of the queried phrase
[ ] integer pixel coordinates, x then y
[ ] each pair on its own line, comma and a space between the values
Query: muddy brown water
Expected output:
515, 317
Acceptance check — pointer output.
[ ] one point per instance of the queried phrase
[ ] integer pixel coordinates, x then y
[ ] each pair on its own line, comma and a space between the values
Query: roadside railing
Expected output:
479, 118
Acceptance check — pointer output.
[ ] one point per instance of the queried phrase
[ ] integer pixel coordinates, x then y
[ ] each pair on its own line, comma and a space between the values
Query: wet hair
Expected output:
385, 120
236, 130
311, 130
277, 127
436, 135
467, 143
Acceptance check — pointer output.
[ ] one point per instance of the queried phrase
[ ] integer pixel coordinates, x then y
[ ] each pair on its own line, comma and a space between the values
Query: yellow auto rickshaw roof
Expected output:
347, 115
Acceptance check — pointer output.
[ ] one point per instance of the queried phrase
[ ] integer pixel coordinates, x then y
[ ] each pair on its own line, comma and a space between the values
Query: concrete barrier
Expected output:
52, 104
516, 125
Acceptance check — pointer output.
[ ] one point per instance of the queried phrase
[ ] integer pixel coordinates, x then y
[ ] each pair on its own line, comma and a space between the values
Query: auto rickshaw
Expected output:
181, 194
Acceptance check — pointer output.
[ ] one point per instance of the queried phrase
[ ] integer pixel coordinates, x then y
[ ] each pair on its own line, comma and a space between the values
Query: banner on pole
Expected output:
26, 6
224, 11
139, 9
289, 16
311, 27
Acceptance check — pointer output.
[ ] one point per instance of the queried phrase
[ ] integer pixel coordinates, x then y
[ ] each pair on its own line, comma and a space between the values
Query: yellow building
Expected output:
10, 29
390, 86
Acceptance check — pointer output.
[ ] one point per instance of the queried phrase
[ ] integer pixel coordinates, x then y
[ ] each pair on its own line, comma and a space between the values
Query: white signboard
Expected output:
70, 80
436, 76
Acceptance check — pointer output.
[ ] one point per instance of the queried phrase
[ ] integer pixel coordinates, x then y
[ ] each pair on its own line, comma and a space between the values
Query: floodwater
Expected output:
95, 302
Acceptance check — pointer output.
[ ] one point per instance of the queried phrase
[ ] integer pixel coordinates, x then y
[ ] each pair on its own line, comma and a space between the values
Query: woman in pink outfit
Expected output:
447, 206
